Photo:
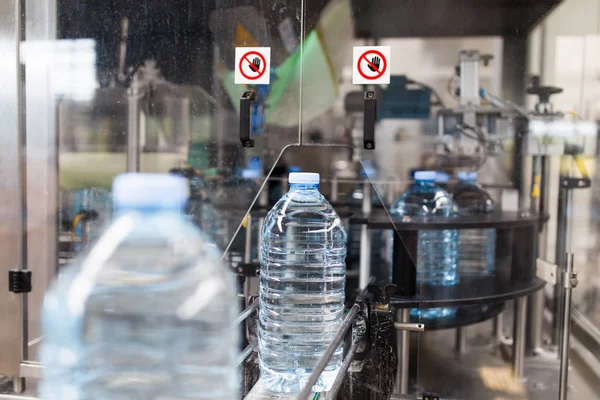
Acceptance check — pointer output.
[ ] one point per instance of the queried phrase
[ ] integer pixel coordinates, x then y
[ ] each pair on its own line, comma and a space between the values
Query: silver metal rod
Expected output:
133, 126
461, 340
248, 243
322, 364
365, 257
365, 239
520, 323
566, 329
409, 326
562, 219
497, 328
334, 189
403, 339
18, 385
339, 379
246, 313
245, 353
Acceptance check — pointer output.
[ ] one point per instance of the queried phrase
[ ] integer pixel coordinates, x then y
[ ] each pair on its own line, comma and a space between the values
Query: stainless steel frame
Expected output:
39, 57
11, 187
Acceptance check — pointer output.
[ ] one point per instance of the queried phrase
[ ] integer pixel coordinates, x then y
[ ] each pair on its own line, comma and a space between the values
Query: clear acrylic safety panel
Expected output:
165, 70
332, 139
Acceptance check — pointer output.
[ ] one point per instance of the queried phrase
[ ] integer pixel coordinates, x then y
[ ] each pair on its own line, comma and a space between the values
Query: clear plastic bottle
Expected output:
477, 246
437, 250
302, 281
148, 312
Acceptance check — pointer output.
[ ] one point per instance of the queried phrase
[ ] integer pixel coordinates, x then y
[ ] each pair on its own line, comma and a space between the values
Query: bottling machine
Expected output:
92, 91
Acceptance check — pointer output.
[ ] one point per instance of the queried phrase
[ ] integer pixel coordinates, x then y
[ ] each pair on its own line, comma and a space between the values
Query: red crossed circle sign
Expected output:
248, 63
380, 71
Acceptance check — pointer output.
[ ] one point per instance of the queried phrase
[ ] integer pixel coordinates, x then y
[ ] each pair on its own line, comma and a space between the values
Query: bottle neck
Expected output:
424, 183
304, 186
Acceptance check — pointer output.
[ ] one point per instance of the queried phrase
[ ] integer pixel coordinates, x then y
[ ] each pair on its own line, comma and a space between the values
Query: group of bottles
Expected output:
445, 255
148, 311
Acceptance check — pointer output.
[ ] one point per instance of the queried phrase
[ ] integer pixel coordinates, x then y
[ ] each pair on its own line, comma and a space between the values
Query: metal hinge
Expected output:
19, 281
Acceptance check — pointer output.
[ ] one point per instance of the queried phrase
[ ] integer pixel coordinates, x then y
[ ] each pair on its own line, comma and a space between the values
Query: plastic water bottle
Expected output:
477, 246
148, 312
302, 280
437, 250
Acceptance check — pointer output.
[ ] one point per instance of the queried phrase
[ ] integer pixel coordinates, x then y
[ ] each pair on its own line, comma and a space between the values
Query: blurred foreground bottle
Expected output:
148, 312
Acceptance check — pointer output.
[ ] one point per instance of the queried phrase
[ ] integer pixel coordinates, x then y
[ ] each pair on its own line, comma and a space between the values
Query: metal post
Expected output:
403, 339
461, 340
248, 256
536, 303
569, 282
18, 385
365, 239
520, 323
134, 93
334, 189
497, 328
561, 247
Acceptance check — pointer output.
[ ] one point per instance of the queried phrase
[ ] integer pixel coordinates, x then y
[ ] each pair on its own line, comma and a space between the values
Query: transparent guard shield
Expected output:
148, 89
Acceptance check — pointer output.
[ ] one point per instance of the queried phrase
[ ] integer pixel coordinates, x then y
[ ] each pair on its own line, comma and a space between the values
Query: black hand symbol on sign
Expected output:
376, 62
255, 66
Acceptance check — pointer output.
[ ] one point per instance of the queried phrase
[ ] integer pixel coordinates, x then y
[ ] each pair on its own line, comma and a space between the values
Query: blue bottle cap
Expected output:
425, 176
308, 178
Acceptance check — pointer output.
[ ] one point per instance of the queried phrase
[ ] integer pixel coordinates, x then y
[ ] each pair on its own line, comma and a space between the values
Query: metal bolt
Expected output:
369, 145
248, 144
574, 281
369, 95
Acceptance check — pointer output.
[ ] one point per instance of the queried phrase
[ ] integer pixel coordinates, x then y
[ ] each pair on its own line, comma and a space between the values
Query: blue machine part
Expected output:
259, 107
400, 102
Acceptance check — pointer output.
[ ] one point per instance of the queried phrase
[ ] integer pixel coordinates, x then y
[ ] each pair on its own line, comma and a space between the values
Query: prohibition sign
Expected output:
380, 72
246, 58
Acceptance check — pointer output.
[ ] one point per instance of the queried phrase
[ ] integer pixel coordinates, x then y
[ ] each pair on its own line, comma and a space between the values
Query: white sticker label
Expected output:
252, 65
371, 65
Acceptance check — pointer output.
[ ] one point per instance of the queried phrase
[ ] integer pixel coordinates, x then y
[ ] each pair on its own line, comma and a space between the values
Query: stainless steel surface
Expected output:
324, 360
11, 186
461, 340
365, 239
402, 337
245, 353
520, 322
31, 370
409, 326
247, 311
569, 284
